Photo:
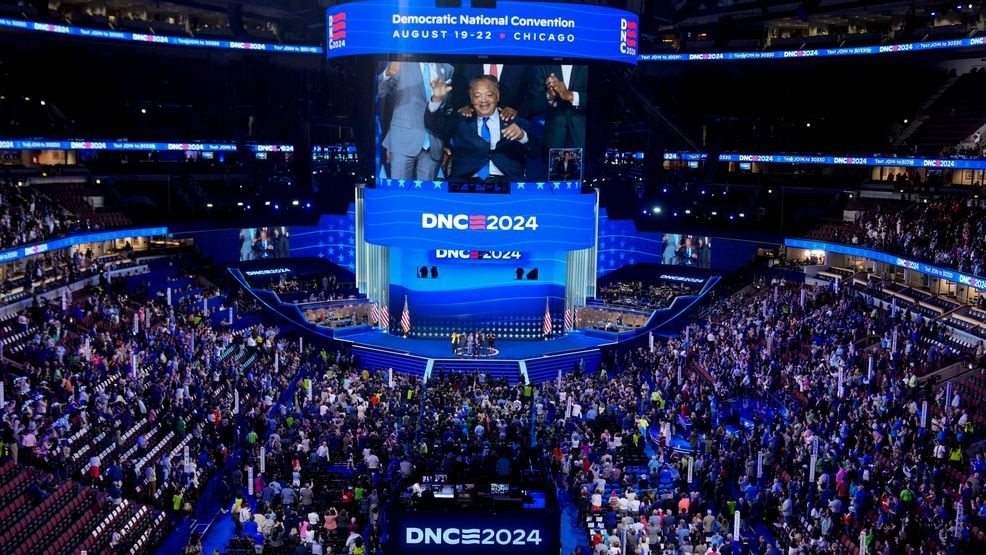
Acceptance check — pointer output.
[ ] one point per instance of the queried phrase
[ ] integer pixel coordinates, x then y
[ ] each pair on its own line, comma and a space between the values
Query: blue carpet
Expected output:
509, 350
572, 531
207, 516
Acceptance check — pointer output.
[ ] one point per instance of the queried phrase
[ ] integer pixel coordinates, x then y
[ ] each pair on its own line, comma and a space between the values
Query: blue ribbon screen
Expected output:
399, 217
536, 29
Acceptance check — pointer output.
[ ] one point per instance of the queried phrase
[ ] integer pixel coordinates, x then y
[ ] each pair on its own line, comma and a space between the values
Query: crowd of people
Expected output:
114, 388
654, 447
28, 217
805, 362
943, 232
878, 470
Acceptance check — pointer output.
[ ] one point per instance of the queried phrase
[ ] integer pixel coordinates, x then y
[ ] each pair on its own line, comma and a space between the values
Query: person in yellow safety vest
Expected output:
642, 424
656, 399
955, 455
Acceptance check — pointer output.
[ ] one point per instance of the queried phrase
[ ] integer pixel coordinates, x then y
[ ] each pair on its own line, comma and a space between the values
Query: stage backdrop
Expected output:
448, 291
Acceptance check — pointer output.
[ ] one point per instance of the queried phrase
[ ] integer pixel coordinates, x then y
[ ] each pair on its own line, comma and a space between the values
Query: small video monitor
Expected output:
499, 489
444, 492
441, 478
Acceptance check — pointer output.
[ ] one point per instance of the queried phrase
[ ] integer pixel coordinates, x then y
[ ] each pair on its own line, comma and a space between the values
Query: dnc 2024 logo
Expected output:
628, 37
337, 30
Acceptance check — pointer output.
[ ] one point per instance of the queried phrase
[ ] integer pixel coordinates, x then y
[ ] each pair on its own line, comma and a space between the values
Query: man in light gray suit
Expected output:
413, 151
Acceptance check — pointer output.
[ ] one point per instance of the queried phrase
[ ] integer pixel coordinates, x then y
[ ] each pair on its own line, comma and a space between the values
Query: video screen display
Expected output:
565, 164
522, 221
477, 121
264, 242
687, 250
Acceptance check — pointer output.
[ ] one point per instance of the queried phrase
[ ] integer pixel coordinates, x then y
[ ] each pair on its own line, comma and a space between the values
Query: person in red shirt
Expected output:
597, 539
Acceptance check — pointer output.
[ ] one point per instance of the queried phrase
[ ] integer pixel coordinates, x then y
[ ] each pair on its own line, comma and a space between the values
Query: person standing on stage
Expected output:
490, 339
469, 344
480, 343
455, 342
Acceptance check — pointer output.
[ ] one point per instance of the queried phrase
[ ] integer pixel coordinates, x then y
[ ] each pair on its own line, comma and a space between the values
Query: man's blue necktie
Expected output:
484, 171
427, 76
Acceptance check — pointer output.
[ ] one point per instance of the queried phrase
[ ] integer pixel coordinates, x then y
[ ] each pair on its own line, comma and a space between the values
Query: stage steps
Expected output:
508, 369
544, 369
383, 359
523, 372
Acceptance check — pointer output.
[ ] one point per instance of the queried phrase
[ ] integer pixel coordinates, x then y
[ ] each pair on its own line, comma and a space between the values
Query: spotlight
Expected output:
656, 210
267, 203
294, 203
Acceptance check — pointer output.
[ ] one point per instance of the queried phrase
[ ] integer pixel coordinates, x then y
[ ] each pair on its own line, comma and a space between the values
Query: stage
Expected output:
508, 349
517, 361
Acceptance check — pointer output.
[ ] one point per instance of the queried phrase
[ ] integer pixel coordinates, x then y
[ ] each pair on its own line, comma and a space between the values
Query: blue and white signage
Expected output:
839, 160
523, 220
101, 144
65, 242
150, 38
538, 29
846, 160
968, 280
457, 532
816, 53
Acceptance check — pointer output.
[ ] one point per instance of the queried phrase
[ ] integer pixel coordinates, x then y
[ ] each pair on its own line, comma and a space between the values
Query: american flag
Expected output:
385, 318
406, 318
568, 320
375, 313
546, 328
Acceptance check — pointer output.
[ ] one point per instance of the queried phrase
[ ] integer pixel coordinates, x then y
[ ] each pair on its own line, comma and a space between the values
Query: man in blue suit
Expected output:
485, 145
413, 151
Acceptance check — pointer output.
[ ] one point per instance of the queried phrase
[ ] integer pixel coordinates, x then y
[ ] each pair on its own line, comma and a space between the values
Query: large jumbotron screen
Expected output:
429, 118
479, 140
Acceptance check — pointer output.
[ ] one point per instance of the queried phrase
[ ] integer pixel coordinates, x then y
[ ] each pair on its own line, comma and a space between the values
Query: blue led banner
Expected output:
149, 38
56, 244
99, 144
536, 29
845, 160
817, 53
416, 218
944, 163
943, 273
441, 256
480, 533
